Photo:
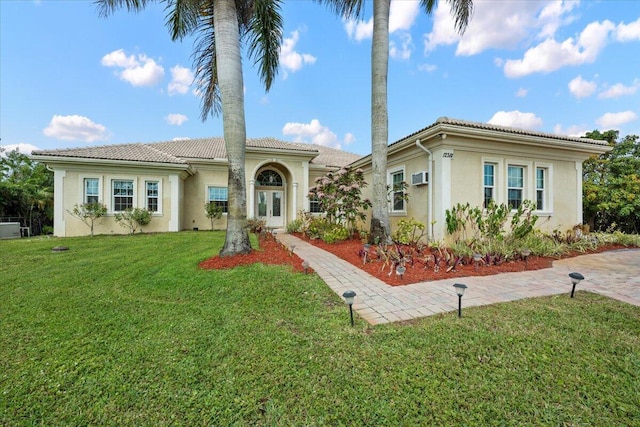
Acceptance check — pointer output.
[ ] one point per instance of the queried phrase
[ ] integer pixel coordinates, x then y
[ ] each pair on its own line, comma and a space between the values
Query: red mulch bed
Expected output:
270, 252
273, 253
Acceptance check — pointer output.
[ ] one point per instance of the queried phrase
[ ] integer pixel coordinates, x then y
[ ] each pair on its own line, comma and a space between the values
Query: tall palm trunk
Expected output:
380, 226
229, 64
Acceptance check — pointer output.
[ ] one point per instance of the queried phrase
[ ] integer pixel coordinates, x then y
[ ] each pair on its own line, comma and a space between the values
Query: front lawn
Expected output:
126, 330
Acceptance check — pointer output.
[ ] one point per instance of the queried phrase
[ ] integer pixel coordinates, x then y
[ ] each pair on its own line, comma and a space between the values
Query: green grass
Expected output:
126, 330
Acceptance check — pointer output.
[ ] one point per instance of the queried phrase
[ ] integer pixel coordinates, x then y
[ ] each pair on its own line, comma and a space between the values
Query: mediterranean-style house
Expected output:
448, 162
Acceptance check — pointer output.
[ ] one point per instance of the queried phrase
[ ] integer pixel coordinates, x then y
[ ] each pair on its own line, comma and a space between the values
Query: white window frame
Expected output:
113, 196
493, 186
522, 188
208, 193
313, 201
158, 197
84, 180
390, 175
547, 207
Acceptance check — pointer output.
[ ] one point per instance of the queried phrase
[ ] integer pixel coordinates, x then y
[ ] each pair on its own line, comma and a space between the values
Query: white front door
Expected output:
269, 207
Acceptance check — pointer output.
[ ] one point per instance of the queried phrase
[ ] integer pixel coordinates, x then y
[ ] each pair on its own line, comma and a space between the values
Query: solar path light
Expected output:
460, 288
575, 279
349, 296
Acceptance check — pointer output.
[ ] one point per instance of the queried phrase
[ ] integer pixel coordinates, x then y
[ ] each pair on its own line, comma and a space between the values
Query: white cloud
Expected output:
289, 58
139, 71
619, 89
405, 48
76, 128
181, 80
499, 24
516, 119
628, 32
176, 119
574, 130
21, 147
349, 138
610, 120
181, 138
402, 16
522, 92
427, 67
551, 55
315, 133
581, 88
359, 30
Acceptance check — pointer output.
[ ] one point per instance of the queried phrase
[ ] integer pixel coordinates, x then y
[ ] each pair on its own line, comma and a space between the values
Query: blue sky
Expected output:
69, 78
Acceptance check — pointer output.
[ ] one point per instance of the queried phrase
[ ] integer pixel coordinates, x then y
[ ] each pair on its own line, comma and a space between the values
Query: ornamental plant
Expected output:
134, 219
89, 213
340, 197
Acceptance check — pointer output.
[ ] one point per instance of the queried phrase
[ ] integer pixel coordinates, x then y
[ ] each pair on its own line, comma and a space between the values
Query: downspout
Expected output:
430, 193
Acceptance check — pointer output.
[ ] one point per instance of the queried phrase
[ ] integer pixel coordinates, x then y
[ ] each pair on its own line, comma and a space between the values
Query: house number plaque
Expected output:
447, 155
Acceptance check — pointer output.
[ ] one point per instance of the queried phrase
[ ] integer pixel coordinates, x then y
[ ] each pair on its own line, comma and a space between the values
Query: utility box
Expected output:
9, 230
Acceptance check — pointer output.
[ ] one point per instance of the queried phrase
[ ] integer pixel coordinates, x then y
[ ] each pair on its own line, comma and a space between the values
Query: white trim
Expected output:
82, 178
528, 177
579, 212
548, 188
134, 196
59, 228
176, 202
145, 195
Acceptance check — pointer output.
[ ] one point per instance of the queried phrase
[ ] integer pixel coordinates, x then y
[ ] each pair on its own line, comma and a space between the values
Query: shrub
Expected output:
335, 233
89, 213
255, 225
134, 219
409, 232
213, 211
295, 226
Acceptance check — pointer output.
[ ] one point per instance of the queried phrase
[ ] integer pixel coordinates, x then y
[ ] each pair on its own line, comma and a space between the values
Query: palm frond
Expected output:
348, 9
182, 17
107, 7
204, 63
265, 32
462, 10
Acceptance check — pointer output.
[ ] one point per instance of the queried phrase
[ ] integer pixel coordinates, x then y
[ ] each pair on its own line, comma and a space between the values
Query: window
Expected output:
91, 186
219, 196
122, 195
515, 186
397, 191
269, 178
152, 196
540, 189
489, 183
314, 205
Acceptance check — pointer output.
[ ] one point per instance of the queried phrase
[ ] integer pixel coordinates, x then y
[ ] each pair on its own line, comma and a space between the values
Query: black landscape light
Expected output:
349, 296
400, 270
575, 279
460, 288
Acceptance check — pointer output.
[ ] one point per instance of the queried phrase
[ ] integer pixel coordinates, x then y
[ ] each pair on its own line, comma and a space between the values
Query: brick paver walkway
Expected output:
615, 274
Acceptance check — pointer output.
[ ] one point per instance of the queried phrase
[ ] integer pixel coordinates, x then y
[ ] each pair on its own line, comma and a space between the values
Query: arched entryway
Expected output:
270, 197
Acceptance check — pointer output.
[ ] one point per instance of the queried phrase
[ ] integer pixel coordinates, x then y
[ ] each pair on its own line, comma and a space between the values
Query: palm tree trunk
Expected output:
230, 81
380, 226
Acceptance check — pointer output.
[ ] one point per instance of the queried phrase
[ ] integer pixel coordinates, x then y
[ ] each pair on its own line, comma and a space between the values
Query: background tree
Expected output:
213, 211
611, 184
219, 26
26, 190
462, 11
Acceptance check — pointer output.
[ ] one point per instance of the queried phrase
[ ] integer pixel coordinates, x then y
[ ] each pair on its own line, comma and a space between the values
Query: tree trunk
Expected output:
229, 63
380, 227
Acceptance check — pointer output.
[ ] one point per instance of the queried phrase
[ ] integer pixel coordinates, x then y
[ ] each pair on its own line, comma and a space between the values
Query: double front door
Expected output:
270, 207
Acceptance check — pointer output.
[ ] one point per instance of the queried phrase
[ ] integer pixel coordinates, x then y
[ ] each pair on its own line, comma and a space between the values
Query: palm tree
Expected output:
219, 26
461, 10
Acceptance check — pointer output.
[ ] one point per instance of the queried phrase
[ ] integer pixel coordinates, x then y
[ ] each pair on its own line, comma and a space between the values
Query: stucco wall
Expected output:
73, 192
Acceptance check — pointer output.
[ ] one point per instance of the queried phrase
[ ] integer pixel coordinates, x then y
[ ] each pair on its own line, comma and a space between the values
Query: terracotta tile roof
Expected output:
180, 151
506, 129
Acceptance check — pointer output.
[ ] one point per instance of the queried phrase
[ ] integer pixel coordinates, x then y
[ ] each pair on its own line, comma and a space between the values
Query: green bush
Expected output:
335, 233
409, 232
134, 219
295, 226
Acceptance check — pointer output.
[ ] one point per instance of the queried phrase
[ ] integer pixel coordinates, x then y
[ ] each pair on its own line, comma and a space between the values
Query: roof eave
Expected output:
53, 160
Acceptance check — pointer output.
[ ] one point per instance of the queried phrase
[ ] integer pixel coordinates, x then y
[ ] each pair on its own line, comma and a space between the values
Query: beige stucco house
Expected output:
175, 180
454, 161
446, 163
